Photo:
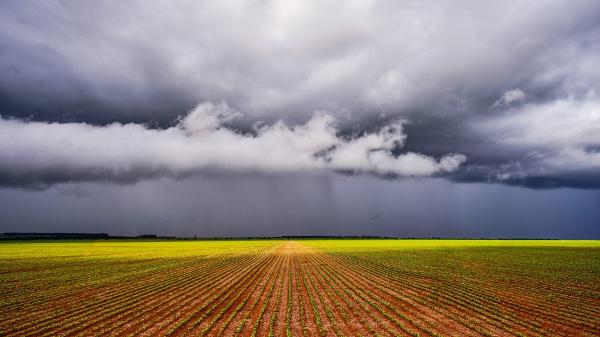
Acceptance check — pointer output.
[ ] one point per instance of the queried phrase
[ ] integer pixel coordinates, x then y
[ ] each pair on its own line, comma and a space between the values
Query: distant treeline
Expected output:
74, 236
105, 236
53, 236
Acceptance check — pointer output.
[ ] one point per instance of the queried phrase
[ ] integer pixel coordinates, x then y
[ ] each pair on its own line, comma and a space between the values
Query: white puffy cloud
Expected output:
515, 95
559, 136
371, 153
200, 142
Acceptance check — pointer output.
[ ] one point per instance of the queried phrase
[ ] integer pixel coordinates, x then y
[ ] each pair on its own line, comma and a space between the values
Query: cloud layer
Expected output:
559, 139
41, 153
140, 60
511, 85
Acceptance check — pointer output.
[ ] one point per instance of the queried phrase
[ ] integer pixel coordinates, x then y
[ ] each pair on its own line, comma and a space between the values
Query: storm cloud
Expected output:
495, 91
41, 153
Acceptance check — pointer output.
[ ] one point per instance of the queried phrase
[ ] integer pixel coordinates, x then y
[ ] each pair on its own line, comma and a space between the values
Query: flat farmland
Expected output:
300, 288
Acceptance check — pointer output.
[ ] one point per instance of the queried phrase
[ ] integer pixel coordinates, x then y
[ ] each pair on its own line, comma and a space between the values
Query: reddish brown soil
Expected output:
290, 290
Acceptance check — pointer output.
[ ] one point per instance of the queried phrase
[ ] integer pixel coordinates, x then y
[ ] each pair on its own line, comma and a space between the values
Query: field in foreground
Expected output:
301, 288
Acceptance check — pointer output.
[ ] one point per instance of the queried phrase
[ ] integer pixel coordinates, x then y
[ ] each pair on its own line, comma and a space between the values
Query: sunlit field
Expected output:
300, 288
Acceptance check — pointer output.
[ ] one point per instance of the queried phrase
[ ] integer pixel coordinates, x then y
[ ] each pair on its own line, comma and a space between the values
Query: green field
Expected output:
301, 288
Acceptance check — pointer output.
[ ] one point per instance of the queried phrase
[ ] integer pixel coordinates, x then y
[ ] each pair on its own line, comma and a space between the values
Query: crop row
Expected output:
292, 289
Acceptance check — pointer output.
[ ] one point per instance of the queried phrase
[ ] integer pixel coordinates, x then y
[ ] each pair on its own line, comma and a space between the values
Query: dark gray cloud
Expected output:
511, 86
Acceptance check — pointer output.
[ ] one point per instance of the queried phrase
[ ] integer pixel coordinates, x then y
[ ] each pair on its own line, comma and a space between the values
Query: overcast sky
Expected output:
441, 118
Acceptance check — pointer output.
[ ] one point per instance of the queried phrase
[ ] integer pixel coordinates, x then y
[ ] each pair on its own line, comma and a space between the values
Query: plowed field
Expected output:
301, 288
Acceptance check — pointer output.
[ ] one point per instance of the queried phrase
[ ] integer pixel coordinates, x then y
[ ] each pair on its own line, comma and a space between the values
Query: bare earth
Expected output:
291, 289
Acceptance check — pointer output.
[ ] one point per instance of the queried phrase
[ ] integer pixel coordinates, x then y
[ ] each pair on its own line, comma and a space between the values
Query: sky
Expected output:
241, 118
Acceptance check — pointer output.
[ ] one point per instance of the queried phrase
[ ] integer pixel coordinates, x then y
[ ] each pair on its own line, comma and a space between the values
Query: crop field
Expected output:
300, 288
